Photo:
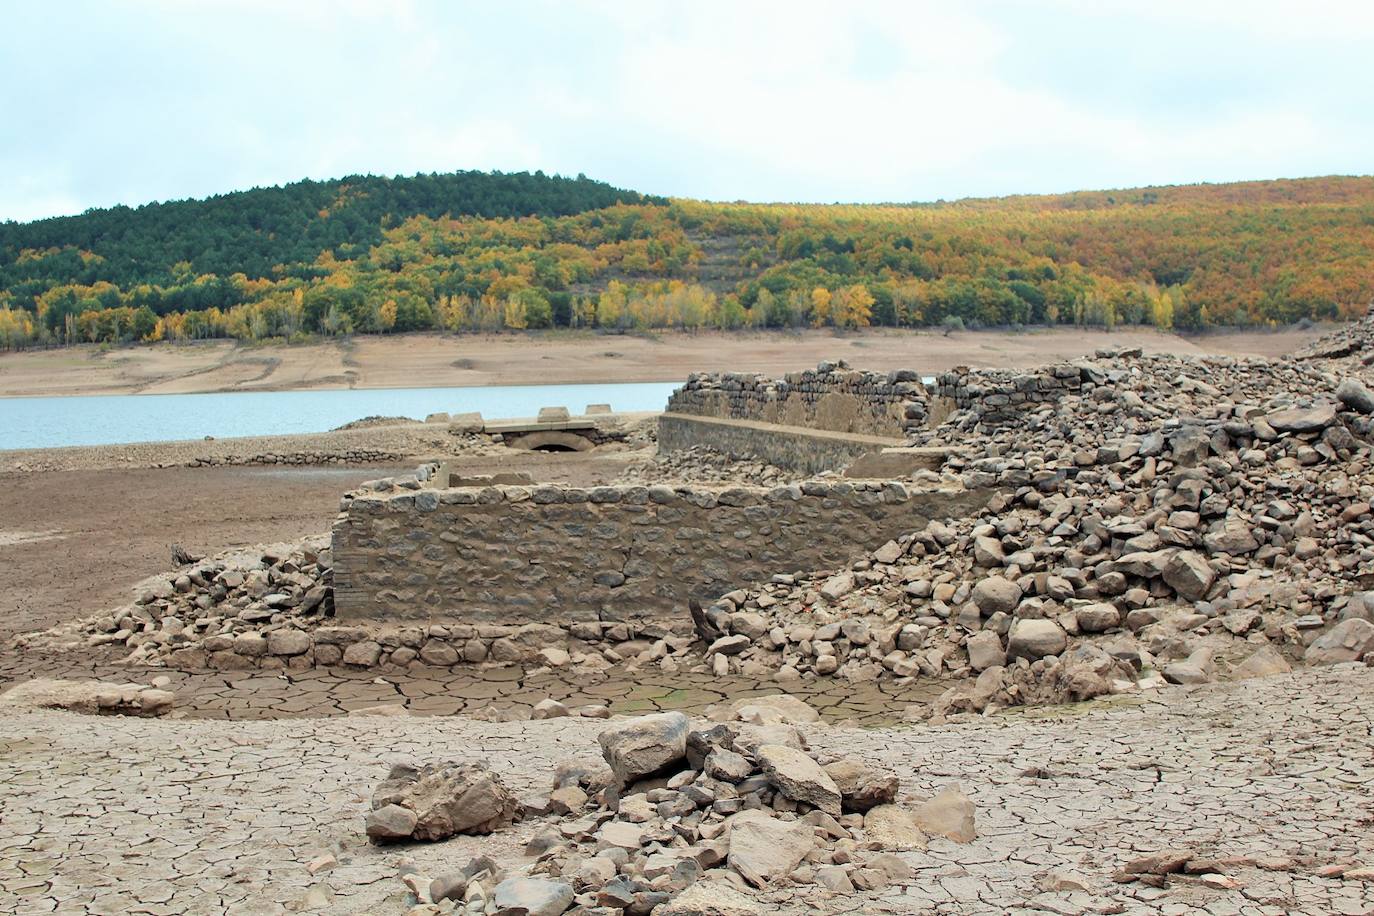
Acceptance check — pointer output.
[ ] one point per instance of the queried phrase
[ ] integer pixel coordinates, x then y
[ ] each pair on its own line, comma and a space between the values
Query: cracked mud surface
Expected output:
168, 816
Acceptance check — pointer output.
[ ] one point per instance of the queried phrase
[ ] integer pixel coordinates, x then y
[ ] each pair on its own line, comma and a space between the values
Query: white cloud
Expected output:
776, 100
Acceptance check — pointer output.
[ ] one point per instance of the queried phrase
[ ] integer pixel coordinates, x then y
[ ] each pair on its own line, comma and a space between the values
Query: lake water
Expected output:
110, 419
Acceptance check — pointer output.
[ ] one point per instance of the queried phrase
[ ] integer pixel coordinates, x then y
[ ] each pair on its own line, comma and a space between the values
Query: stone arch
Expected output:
551, 441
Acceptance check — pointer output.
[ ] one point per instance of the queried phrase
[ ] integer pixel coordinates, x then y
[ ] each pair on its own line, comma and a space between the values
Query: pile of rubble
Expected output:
738, 807
244, 604
1353, 340
1150, 523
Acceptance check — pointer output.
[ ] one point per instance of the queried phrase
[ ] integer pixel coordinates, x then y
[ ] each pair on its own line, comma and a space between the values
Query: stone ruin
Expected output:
1103, 525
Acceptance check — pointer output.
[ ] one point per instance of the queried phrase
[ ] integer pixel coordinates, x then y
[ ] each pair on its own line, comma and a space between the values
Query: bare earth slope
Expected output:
434, 360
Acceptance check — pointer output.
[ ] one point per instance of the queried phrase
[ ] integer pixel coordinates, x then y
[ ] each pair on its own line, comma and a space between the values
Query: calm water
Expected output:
107, 419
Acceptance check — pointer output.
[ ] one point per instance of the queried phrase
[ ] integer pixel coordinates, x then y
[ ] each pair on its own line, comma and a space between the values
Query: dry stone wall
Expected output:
830, 397
513, 555
998, 396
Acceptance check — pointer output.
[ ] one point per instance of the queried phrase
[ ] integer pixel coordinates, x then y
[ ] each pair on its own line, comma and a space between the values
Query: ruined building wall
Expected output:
804, 450
830, 397
999, 396
517, 555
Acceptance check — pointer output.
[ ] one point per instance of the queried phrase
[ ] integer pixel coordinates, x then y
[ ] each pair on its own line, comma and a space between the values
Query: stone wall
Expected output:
555, 554
808, 451
998, 396
830, 397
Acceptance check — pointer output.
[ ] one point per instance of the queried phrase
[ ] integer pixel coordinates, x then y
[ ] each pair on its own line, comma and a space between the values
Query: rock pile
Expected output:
228, 611
1353, 340
1150, 521
737, 808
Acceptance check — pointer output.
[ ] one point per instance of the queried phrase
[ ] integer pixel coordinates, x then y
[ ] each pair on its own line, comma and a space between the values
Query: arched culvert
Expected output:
551, 441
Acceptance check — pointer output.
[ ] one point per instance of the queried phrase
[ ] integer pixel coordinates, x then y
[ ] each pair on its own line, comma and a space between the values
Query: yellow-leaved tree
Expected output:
820, 306
852, 307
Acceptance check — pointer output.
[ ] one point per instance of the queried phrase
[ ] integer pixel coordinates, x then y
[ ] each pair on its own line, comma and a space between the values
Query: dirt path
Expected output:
435, 360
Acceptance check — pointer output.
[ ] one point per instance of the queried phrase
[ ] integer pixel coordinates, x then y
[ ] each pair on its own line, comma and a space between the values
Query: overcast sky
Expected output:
126, 102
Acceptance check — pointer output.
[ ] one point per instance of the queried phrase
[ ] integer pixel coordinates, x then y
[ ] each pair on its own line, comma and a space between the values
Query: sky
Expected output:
131, 101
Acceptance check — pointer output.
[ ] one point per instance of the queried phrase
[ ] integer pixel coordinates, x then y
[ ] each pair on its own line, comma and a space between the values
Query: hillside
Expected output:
475, 251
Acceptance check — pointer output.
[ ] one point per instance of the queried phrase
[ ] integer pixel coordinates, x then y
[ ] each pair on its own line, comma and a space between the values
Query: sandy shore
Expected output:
435, 360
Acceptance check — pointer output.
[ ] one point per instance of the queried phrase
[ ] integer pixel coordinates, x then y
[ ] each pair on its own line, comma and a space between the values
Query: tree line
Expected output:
479, 252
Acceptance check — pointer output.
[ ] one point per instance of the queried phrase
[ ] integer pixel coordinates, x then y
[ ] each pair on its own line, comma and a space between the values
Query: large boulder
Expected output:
644, 745
1032, 639
1097, 618
445, 798
533, 896
1189, 574
862, 786
1197, 668
1233, 537
1356, 395
985, 650
996, 593
764, 849
1348, 641
799, 777
1263, 662
1302, 419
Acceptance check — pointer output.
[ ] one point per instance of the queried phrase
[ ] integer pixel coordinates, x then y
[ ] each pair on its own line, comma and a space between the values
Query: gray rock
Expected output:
1303, 419
727, 765
1198, 668
763, 849
1356, 395
985, 650
995, 594
1189, 574
862, 786
390, 822
837, 587
799, 777
1033, 639
288, 642
1348, 641
1097, 618
447, 799
533, 896
641, 746
1264, 662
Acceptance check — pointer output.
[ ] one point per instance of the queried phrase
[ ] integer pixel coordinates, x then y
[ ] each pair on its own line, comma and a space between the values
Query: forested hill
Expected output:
475, 251
252, 232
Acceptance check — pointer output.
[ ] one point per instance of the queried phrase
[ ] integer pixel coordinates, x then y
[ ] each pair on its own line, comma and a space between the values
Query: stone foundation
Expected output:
805, 450
544, 554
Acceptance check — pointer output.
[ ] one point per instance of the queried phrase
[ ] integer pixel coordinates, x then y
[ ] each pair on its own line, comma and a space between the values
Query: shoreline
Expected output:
434, 360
